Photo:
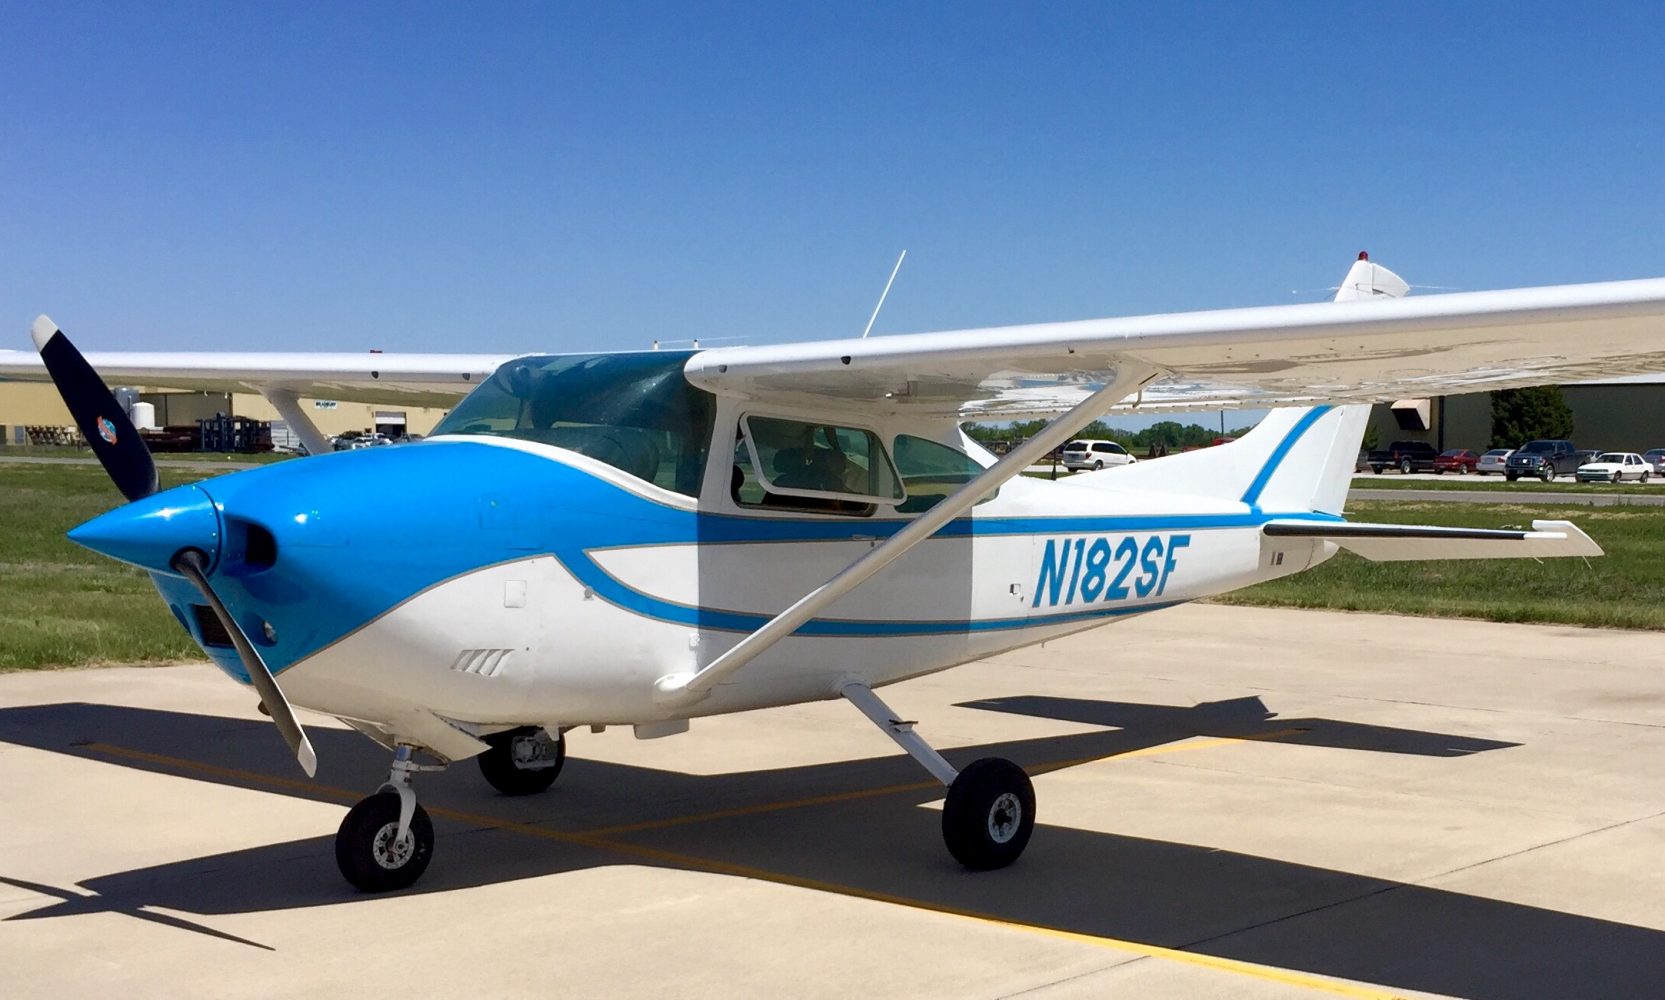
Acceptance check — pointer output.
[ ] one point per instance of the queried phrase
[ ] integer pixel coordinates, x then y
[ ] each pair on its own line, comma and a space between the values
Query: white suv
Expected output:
1090, 454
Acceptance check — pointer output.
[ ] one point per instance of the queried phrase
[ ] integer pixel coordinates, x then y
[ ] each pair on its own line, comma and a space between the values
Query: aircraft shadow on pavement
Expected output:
870, 840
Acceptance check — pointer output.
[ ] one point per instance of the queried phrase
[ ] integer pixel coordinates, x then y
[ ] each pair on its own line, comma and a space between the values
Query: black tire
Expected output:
366, 854
1510, 476
1404, 467
989, 814
1547, 473
1377, 469
1462, 470
1643, 479
1439, 472
498, 765
1098, 465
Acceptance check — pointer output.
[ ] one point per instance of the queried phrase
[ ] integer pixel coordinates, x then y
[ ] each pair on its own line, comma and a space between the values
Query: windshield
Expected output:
1616, 457
1537, 446
635, 412
1451, 452
1497, 452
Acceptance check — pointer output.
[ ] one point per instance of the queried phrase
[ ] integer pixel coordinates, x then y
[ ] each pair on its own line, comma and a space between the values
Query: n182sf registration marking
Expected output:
1098, 568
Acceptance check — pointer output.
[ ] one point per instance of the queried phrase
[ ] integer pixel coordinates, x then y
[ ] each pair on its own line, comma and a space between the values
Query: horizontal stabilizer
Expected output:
1395, 542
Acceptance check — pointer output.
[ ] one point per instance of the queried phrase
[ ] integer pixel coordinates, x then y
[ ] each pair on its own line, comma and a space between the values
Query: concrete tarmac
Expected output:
1233, 802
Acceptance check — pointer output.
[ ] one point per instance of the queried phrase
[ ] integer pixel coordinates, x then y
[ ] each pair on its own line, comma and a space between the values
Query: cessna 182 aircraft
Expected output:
644, 538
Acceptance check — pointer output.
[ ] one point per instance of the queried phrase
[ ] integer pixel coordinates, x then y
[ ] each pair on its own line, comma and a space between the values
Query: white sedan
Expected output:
1495, 460
1615, 467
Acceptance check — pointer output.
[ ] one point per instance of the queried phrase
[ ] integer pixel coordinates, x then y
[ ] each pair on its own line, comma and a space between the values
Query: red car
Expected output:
1458, 460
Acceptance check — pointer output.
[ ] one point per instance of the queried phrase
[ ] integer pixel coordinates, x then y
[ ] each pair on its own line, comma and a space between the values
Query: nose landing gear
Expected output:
387, 840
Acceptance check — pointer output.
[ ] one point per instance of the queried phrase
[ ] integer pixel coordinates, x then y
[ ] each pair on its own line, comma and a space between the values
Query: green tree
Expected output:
1520, 415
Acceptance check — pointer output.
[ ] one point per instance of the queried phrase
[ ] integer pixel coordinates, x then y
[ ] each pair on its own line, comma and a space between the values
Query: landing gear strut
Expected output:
990, 810
387, 840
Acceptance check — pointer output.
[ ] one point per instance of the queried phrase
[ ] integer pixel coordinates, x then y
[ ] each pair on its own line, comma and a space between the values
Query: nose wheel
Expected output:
387, 840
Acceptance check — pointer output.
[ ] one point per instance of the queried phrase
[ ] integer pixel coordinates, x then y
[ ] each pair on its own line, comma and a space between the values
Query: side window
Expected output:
804, 465
931, 471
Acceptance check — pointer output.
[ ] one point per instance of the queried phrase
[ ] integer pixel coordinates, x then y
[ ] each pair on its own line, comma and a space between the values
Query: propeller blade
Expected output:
190, 564
103, 422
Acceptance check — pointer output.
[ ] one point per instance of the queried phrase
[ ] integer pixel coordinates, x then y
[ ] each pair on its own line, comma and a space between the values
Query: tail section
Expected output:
1294, 460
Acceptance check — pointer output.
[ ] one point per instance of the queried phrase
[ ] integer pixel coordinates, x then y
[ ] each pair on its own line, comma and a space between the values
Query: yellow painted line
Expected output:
596, 840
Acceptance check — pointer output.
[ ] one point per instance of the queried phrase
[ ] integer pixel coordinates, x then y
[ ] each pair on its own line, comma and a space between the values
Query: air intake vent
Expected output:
209, 628
482, 662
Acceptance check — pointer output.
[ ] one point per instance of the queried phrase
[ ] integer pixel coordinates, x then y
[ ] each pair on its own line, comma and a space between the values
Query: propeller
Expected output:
123, 454
103, 421
193, 566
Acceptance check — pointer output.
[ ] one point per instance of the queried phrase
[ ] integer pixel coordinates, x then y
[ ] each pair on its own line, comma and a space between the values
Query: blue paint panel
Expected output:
1251, 496
359, 533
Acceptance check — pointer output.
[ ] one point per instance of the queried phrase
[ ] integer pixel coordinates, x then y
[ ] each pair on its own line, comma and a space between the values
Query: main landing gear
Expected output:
990, 810
387, 840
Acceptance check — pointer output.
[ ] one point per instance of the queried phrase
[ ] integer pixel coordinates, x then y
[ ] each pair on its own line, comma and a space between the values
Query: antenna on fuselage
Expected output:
871, 319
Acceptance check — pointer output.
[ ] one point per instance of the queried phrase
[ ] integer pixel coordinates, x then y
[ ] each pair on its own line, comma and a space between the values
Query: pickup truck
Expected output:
1544, 459
1406, 456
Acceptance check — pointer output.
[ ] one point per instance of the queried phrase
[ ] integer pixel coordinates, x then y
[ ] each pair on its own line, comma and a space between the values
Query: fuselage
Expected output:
494, 579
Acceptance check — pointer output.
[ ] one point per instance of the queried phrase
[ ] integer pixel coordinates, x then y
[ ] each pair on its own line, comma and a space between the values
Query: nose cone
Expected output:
148, 532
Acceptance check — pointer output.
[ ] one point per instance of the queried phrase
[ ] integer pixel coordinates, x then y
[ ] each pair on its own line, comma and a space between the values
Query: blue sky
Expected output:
483, 177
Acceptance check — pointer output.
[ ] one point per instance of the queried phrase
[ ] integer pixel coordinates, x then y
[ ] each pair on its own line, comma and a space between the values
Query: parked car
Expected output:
1494, 461
1615, 467
1092, 454
1406, 456
1656, 458
1544, 459
1458, 460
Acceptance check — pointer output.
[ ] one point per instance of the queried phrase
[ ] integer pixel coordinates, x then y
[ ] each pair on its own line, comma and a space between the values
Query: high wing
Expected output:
1376, 348
410, 379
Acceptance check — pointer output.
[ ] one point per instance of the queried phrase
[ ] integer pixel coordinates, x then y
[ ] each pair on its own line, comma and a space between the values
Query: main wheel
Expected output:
1547, 473
989, 814
1098, 465
518, 763
1462, 470
1643, 479
1510, 476
370, 854
1404, 467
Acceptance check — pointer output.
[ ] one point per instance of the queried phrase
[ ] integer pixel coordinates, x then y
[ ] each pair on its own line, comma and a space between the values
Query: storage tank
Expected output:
143, 416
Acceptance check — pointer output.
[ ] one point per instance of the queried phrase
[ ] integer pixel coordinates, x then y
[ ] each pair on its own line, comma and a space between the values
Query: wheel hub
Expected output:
1005, 816
390, 850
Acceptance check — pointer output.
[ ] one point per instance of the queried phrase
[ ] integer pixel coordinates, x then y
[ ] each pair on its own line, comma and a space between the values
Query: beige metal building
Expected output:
25, 404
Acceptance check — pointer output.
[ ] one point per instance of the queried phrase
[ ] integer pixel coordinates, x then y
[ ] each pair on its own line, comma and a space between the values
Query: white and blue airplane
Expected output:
644, 538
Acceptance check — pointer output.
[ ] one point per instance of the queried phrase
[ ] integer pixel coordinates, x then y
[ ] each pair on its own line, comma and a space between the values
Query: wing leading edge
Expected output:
1371, 349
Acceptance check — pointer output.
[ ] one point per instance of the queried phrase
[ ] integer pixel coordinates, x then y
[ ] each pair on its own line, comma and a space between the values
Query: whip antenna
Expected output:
881, 304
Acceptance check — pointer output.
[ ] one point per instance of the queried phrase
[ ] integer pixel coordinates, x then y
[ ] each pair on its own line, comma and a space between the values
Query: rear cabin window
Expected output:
931, 471
806, 465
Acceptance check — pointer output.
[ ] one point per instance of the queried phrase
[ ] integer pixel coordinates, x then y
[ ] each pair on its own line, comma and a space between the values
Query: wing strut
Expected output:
288, 405
688, 687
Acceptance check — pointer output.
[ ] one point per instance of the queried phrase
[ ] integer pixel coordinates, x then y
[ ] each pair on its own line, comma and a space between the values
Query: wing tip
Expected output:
42, 331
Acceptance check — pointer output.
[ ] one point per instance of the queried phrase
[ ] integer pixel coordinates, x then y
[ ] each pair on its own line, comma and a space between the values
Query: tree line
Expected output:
1167, 434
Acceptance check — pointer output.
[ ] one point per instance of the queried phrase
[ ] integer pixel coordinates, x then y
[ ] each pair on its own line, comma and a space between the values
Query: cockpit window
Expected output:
635, 412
